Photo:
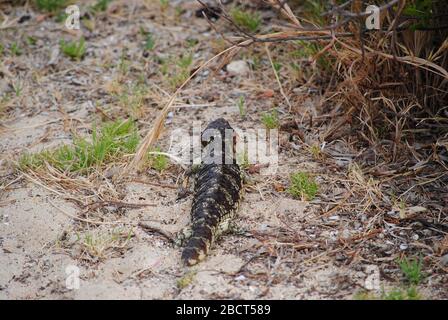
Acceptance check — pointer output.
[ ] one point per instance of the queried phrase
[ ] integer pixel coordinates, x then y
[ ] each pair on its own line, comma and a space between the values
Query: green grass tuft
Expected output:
101, 5
185, 280
73, 49
113, 140
185, 61
364, 295
410, 293
270, 119
149, 42
412, 270
246, 20
132, 99
302, 186
31, 40
15, 49
177, 70
51, 5
158, 162
242, 106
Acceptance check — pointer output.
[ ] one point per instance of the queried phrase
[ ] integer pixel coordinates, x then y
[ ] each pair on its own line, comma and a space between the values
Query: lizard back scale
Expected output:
218, 191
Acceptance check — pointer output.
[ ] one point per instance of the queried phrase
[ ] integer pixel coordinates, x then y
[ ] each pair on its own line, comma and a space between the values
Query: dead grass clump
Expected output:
98, 245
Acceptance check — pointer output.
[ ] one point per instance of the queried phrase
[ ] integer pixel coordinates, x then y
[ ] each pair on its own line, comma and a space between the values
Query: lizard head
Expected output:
220, 130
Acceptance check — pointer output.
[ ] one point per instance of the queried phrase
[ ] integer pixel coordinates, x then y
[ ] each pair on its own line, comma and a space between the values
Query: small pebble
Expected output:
240, 278
444, 260
238, 68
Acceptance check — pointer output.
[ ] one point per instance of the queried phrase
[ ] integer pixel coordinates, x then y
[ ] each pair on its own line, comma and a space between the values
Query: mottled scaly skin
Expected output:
218, 191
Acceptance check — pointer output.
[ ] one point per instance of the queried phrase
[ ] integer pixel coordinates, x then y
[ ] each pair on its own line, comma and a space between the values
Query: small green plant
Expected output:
132, 99
17, 88
246, 20
243, 160
149, 41
242, 106
410, 293
164, 4
31, 41
61, 17
185, 280
364, 295
182, 70
15, 49
412, 270
192, 42
315, 151
164, 65
2, 48
101, 5
51, 5
158, 161
302, 186
420, 10
73, 49
89, 23
185, 61
270, 119
123, 63
314, 9
308, 49
277, 66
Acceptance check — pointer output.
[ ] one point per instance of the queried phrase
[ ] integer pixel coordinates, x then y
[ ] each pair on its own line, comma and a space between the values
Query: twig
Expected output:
168, 235
87, 220
277, 78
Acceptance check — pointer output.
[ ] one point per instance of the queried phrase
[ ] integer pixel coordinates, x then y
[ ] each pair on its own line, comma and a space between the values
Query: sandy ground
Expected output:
291, 252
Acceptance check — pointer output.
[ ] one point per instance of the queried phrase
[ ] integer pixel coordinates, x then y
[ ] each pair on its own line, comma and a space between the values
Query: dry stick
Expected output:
162, 185
4, 187
30, 127
149, 227
87, 220
286, 10
339, 124
154, 134
119, 204
42, 185
277, 78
